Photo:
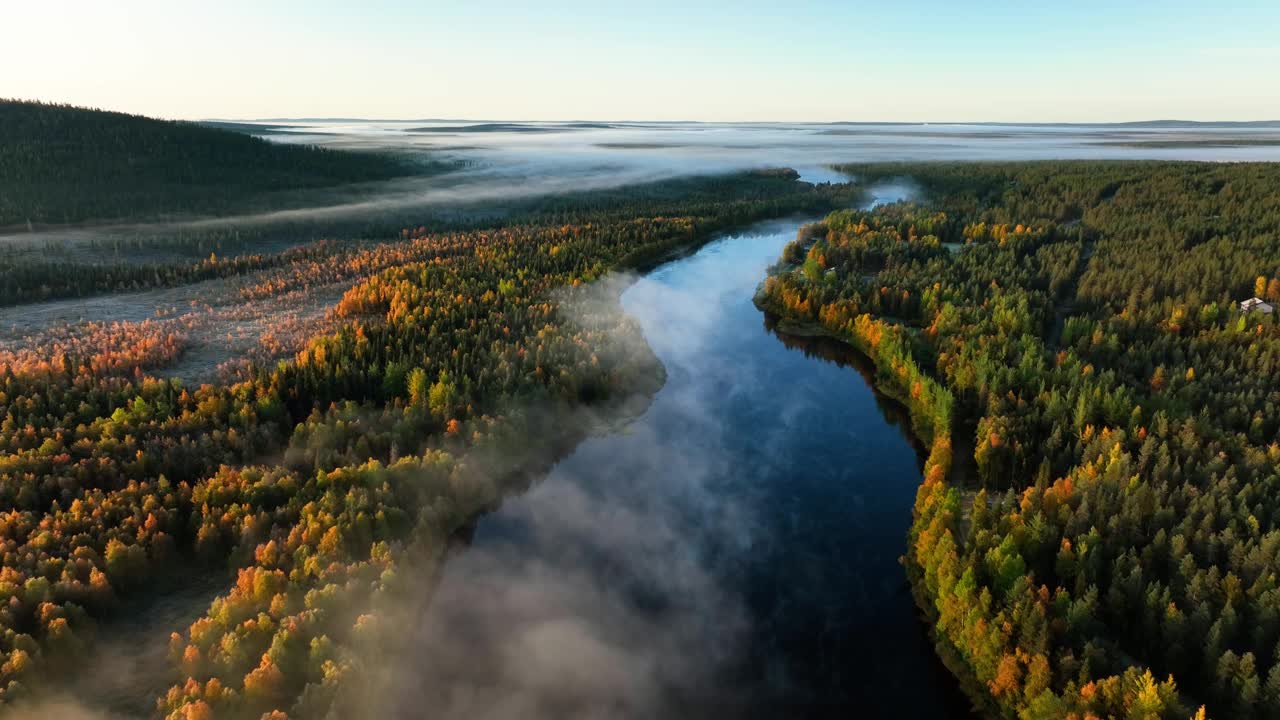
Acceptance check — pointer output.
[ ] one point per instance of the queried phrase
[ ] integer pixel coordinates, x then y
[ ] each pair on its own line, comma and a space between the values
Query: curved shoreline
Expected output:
939, 457
822, 589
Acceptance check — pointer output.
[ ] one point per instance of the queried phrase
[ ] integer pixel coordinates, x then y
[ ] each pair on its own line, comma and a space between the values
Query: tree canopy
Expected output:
1097, 531
64, 164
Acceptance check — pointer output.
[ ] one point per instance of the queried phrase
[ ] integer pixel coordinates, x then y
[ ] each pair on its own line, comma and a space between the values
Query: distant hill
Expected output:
63, 164
248, 127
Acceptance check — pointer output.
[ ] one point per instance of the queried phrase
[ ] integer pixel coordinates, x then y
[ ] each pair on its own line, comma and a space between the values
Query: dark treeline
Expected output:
1111, 547
461, 346
62, 164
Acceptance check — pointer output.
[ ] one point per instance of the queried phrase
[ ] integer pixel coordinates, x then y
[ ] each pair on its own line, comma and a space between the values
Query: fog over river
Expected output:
731, 553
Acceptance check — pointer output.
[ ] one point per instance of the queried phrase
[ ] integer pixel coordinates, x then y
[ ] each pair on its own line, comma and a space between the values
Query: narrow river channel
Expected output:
733, 552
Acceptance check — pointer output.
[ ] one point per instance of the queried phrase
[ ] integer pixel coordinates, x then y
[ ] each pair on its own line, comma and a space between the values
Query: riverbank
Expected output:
729, 553
900, 378
541, 437
352, 437
517, 449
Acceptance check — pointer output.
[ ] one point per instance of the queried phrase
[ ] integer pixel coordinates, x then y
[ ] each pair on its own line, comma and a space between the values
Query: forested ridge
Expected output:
1110, 548
317, 481
64, 164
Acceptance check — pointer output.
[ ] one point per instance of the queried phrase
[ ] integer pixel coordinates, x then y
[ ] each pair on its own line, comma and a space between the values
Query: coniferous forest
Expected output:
1096, 534
62, 164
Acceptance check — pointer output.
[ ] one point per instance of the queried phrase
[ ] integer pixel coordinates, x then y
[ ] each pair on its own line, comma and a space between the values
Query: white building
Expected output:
1253, 303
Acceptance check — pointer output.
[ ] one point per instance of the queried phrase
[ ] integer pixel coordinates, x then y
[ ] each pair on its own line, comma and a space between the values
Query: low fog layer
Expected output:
520, 160
597, 594
502, 161
683, 148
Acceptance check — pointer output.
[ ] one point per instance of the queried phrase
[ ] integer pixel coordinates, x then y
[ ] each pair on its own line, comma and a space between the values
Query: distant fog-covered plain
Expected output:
705, 147
498, 162
632, 150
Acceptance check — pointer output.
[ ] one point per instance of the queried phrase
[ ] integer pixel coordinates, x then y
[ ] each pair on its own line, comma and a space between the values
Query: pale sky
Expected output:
900, 60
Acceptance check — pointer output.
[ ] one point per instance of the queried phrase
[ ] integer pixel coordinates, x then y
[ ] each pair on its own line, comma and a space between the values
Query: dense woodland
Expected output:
1098, 530
62, 164
448, 374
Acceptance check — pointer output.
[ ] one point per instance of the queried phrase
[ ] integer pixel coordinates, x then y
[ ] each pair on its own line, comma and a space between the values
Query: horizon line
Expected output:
1161, 121
633, 121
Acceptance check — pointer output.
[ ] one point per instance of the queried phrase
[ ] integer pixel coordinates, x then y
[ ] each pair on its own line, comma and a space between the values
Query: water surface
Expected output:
732, 553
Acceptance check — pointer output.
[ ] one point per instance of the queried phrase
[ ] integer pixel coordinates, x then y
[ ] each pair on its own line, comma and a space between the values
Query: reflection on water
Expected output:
834, 351
733, 552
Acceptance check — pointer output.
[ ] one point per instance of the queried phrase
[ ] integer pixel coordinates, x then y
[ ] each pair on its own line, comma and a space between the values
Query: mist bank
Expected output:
497, 163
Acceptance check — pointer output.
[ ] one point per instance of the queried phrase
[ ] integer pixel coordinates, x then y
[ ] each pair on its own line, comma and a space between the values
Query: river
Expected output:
733, 552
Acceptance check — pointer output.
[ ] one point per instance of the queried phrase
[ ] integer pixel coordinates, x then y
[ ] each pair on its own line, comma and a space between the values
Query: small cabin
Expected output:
1256, 304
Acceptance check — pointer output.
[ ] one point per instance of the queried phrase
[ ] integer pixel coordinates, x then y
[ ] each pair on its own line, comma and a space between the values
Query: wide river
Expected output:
733, 552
